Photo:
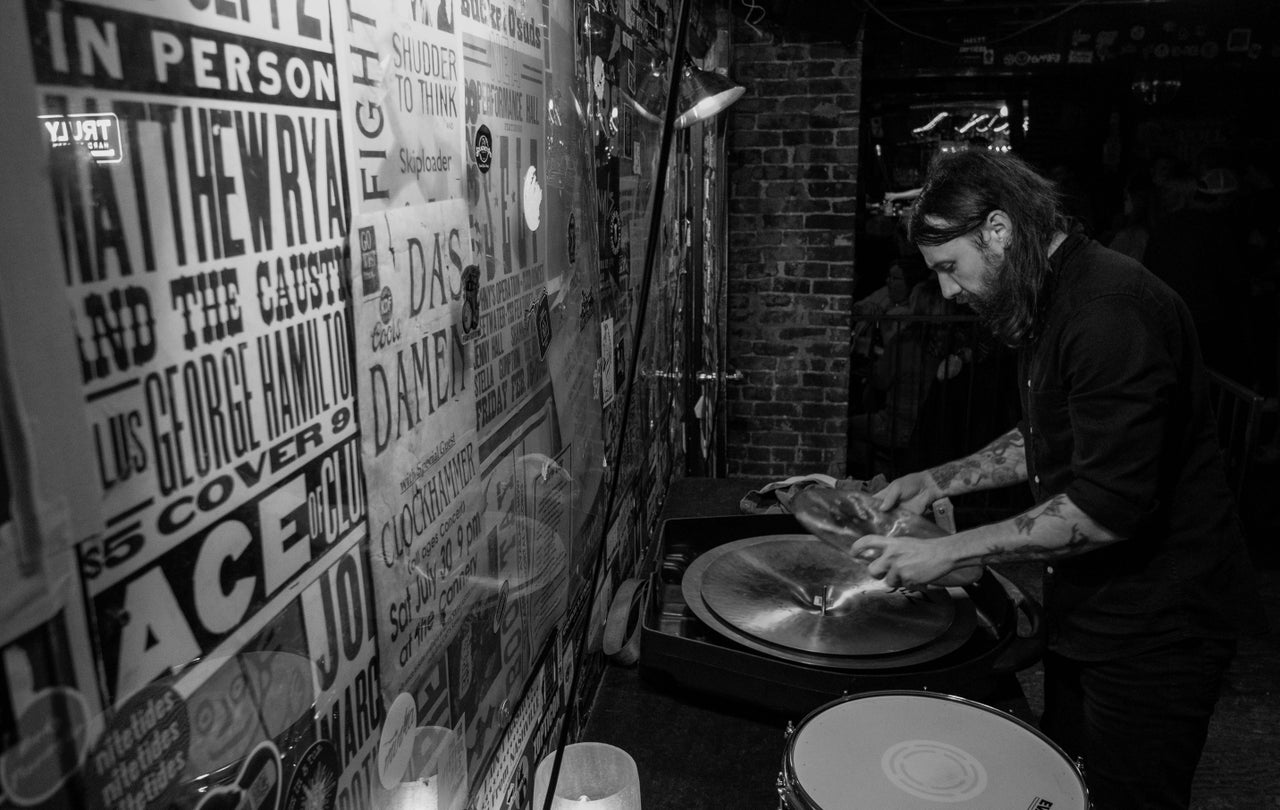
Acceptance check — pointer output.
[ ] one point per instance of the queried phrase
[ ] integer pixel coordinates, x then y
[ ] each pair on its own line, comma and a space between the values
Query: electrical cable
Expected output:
921, 35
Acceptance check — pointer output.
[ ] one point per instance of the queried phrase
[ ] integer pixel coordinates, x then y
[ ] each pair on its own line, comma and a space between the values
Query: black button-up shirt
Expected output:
1117, 416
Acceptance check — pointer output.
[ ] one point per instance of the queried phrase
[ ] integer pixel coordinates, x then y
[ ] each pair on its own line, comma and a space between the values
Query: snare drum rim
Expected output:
792, 780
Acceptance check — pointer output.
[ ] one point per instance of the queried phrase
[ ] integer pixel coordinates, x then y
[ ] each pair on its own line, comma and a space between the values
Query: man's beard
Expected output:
994, 304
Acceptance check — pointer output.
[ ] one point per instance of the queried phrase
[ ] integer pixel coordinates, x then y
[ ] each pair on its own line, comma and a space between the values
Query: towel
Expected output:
775, 497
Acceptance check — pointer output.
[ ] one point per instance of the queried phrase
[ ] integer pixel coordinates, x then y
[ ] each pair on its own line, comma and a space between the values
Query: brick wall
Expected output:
792, 160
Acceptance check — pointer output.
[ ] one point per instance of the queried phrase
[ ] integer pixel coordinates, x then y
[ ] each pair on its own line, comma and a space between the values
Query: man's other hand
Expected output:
914, 492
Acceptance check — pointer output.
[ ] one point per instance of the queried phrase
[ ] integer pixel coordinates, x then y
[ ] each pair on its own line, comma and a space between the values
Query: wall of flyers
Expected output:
303, 460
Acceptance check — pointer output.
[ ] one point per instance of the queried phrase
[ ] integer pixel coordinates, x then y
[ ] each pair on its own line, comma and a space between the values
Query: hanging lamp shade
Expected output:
703, 94
651, 92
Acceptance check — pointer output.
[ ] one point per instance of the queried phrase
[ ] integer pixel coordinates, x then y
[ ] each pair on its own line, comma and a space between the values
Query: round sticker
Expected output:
314, 785
532, 199
385, 305
50, 742
484, 149
395, 746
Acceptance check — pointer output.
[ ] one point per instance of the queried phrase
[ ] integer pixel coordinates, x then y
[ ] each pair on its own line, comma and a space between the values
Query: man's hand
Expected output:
914, 492
906, 562
1047, 531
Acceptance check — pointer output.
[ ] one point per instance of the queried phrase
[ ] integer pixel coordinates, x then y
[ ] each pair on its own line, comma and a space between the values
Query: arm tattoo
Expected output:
999, 464
996, 554
1078, 538
1026, 522
1045, 541
1077, 542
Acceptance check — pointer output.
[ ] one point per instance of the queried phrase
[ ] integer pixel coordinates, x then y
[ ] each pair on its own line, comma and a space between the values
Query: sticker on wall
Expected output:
94, 134
597, 80
470, 302
385, 331
445, 16
314, 785
386, 304
532, 199
484, 149
51, 738
142, 751
256, 788
369, 261
615, 229
542, 320
395, 745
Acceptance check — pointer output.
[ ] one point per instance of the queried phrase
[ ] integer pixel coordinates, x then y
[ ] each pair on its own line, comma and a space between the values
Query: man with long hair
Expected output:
1148, 582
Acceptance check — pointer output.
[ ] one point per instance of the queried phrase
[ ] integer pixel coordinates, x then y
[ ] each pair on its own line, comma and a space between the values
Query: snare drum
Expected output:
907, 750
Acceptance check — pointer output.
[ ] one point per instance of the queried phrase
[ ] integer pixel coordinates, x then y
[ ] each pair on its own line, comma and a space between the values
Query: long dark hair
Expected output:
962, 189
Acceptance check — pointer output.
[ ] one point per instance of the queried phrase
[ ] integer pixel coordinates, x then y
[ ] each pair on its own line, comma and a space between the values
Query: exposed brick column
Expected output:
792, 158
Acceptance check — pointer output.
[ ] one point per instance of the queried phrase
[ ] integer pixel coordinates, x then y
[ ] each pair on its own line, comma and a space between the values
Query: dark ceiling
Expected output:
954, 20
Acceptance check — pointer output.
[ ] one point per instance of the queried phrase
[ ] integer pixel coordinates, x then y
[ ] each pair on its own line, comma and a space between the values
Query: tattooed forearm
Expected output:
1075, 543
1053, 509
996, 554
1079, 538
1052, 530
999, 464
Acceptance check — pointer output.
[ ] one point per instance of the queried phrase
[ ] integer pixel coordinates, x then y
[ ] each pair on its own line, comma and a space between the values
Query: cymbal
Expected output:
839, 517
801, 594
960, 631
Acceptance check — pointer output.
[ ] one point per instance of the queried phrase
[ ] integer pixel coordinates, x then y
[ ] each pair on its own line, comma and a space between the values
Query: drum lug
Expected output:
783, 804
1080, 765
789, 731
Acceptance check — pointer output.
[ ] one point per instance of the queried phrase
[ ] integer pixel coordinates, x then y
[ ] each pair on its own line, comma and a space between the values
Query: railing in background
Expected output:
1238, 410
927, 389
